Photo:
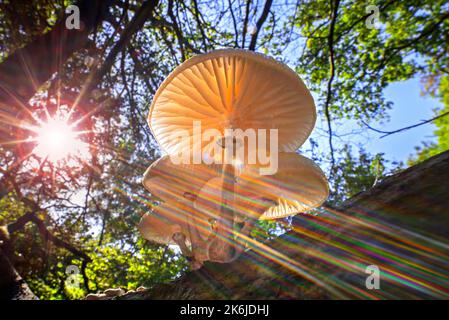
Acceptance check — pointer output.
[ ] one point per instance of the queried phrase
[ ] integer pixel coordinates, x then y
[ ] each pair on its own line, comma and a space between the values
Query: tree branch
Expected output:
428, 30
234, 23
44, 232
25, 70
178, 32
12, 279
259, 24
387, 133
198, 21
136, 24
12, 286
245, 23
334, 8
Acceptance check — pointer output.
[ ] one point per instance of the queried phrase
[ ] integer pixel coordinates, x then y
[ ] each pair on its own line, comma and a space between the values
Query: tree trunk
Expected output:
12, 286
400, 226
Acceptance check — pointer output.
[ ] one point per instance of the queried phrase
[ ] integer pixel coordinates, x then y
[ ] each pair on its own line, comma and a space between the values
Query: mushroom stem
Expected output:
240, 235
258, 207
180, 239
222, 247
200, 247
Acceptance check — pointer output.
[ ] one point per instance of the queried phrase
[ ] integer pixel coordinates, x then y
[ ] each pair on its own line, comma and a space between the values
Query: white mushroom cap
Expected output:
231, 89
162, 223
167, 219
209, 198
171, 182
299, 185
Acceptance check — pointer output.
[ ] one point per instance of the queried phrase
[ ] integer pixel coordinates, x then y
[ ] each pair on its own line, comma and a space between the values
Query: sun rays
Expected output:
331, 250
56, 139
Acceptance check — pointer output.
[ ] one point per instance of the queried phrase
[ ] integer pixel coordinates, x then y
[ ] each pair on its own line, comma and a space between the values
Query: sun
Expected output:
56, 140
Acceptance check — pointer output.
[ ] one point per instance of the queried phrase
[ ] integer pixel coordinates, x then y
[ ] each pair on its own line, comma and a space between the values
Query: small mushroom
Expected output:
178, 225
209, 198
177, 182
162, 224
298, 185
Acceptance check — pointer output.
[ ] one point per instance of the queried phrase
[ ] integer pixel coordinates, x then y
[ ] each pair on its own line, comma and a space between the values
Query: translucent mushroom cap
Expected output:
209, 198
297, 186
171, 182
231, 89
161, 225
167, 219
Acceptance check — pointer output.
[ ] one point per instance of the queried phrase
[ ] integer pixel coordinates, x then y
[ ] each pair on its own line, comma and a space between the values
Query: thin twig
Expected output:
178, 32
136, 24
387, 133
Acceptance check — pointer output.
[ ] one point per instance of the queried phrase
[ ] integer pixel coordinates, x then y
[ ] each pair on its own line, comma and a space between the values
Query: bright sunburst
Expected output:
56, 140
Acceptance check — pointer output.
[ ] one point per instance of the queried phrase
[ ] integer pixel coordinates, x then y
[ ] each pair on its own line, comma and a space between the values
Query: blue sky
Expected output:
409, 108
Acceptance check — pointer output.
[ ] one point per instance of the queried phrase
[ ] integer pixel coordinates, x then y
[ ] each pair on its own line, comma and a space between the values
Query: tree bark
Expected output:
13, 287
401, 226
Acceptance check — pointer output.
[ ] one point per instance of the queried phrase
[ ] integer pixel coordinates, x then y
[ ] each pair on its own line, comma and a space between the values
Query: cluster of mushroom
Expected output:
209, 208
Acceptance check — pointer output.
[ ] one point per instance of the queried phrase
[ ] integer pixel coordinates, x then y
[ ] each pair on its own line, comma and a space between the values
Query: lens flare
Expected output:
57, 140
